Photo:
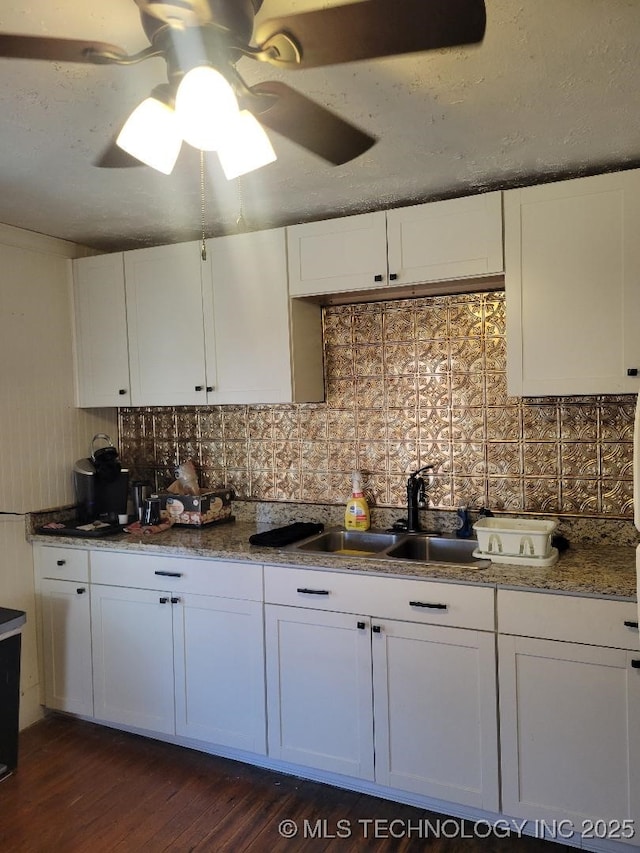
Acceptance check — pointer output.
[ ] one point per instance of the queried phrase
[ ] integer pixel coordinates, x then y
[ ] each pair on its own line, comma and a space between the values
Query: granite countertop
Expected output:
608, 571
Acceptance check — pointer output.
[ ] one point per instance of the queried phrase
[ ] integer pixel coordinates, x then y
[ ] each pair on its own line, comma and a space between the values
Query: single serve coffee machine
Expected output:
101, 483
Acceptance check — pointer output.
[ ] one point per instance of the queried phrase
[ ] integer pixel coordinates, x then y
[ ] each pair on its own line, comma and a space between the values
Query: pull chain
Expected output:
203, 251
240, 222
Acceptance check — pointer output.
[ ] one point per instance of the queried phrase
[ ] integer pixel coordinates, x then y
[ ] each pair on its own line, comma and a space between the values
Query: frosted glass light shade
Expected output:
246, 146
151, 135
205, 103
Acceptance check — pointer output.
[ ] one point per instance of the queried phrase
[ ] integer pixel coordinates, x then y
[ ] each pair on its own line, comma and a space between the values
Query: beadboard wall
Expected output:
408, 382
41, 432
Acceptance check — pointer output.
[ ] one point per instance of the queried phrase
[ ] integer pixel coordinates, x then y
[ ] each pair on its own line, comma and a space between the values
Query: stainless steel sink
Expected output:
351, 542
387, 545
435, 549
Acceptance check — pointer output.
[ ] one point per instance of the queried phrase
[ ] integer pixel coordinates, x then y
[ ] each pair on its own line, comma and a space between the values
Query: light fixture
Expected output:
151, 134
205, 104
246, 146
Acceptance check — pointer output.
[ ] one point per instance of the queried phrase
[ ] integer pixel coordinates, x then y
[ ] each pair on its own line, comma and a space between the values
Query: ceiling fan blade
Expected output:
309, 124
375, 28
113, 157
57, 50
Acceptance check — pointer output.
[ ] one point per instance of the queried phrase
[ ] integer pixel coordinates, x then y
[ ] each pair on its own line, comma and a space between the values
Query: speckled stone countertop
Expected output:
605, 571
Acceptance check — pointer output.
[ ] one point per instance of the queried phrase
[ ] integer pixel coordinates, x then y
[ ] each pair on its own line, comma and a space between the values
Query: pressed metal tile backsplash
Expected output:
408, 383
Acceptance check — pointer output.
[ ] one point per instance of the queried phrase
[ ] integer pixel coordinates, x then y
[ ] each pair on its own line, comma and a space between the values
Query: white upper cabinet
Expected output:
102, 356
573, 302
266, 349
445, 240
165, 325
438, 241
336, 255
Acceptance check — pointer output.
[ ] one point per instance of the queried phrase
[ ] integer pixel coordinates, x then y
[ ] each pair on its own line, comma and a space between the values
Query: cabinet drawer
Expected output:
70, 564
223, 578
575, 619
383, 597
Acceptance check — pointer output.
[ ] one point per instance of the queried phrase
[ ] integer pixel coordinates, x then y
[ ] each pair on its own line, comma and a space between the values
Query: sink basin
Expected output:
435, 549
359, 543
388, 545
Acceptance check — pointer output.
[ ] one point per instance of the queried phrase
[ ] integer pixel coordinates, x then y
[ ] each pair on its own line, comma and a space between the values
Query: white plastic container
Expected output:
515, 537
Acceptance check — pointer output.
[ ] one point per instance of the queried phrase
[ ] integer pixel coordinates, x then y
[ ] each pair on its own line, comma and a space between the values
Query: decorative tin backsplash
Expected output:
408, 383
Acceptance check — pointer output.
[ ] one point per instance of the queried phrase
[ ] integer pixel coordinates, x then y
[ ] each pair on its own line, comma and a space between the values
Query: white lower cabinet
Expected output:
66, 645
64, 628
319, 690
172, 659
435, 712
570, 716
411, 705
133, 657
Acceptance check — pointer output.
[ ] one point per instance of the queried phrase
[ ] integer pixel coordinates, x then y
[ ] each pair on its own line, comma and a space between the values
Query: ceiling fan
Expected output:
216, 34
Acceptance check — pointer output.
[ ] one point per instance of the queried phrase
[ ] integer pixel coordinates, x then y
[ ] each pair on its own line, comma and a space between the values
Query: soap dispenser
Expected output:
357, 516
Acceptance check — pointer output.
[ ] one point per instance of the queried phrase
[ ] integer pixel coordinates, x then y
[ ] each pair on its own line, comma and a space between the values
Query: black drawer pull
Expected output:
175, 600
209, 388
393, 276
80, 590
307, 591
632, 371
198, 387
361, 626
376, 629
61, 562
122, 391
635, 664
428, 604
629, 624
377, 278
168, 574
163, 600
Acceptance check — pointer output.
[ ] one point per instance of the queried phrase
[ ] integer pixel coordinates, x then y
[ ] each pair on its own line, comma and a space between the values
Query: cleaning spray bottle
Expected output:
357, 516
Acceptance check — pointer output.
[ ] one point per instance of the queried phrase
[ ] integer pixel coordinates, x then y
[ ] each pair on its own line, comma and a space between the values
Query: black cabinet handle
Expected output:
307, 591
80, 590
377, 278
122, 391
632, 371
635, 664
175, 600
61, 562
628, 624
393, 276
209, 388
428, 604
376, 629
361, 626
163, 600
168, 574
199, 387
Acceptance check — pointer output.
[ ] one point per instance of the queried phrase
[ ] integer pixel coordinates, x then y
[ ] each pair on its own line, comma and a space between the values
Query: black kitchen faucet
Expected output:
416, 495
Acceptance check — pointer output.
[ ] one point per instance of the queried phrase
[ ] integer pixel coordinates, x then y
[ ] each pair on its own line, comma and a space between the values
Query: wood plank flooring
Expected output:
82, 787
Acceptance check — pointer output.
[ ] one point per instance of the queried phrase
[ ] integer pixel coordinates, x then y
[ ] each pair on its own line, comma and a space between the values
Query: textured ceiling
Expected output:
551, 92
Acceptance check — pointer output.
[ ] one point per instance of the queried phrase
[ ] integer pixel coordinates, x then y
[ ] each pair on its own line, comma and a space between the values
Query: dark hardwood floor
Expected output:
82, 787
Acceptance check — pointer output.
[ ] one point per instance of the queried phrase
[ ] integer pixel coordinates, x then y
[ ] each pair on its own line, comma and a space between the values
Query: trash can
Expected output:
11, 622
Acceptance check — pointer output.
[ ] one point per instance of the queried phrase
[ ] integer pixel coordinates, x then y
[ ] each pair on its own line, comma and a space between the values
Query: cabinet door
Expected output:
133, 657
219, 671
165, 324
570, 729
247, 297
336, 255
573, 302
319, 690
66, 643
444, 240
102, 350
435, 712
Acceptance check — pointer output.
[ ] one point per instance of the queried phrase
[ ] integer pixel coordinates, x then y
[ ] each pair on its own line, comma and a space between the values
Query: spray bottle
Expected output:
357, 516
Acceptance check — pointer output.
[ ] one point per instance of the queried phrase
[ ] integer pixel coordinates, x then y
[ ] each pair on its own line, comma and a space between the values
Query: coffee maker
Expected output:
101, 483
